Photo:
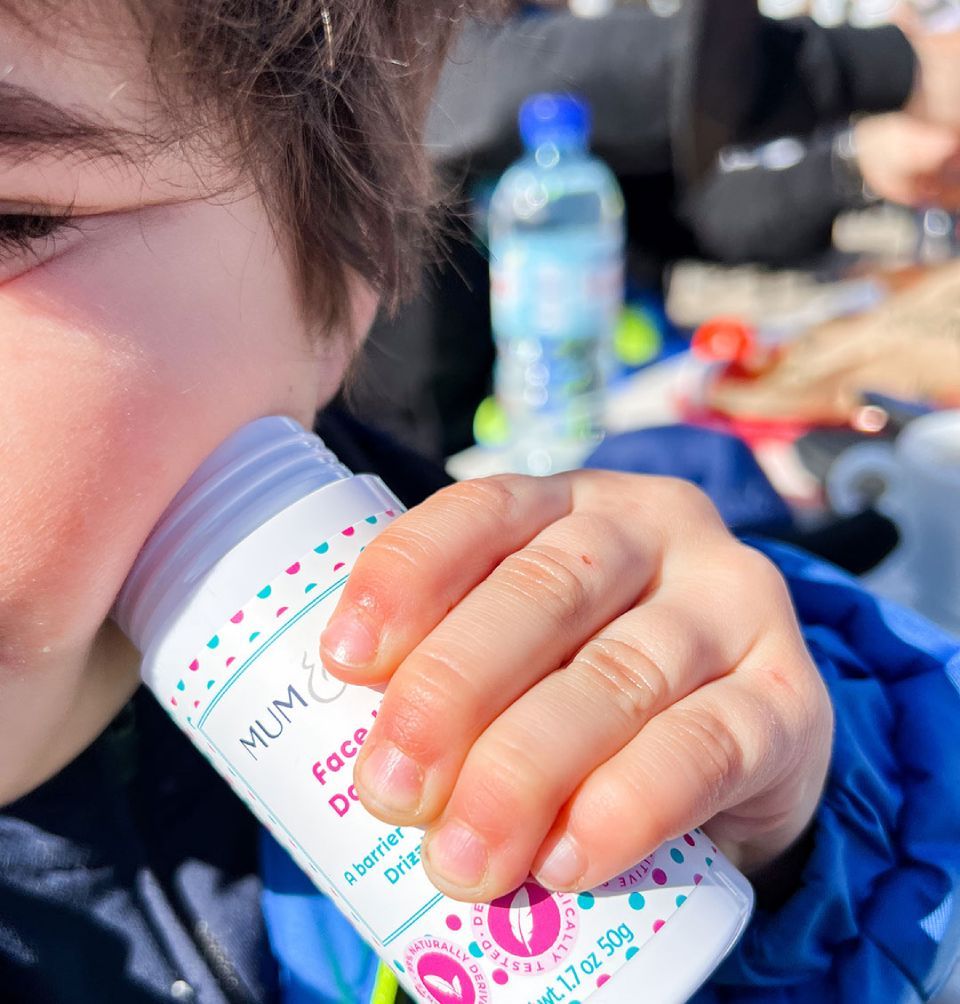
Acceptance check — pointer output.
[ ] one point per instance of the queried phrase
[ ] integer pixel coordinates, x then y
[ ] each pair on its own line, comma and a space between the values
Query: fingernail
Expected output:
349, 642
392, 779
457, 855
563, 867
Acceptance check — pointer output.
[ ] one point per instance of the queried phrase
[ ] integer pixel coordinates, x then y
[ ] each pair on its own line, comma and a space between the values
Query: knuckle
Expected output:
416, 704
404, 547
800, 701
505, 783
497, 496
585, 527
627, 675
546, 576
754, 573
716, 753
686, 498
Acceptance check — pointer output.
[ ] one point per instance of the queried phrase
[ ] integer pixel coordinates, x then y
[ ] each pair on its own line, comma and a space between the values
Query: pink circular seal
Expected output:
527, 931
444, 972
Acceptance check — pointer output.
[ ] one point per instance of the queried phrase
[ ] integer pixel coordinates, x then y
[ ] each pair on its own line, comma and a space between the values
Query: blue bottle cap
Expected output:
554, 118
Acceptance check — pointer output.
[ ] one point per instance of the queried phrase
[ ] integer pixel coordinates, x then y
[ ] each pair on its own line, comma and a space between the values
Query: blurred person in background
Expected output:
425, 371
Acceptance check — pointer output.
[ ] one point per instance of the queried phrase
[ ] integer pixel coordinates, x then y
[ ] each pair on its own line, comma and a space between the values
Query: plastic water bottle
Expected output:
556, 277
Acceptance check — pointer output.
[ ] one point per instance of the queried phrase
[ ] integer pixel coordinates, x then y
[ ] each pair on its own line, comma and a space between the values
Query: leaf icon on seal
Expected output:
521, 918
440, 985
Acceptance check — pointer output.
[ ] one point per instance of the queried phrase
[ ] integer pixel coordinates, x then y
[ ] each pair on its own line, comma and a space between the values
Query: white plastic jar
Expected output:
227, 601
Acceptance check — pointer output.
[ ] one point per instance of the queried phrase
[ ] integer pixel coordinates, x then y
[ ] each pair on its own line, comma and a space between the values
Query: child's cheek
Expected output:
121, 367
76, 492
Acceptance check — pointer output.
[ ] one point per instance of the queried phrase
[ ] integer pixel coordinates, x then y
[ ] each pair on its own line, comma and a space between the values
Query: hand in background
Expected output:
910, 161
936, 97
579, 668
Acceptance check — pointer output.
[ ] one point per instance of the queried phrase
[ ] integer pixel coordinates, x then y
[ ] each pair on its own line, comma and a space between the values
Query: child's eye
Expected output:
29, 233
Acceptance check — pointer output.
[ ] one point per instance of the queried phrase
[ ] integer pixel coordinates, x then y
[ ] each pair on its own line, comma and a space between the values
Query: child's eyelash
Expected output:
20, 231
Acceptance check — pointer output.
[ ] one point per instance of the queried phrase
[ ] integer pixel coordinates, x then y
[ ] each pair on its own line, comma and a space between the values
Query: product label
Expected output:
286, 736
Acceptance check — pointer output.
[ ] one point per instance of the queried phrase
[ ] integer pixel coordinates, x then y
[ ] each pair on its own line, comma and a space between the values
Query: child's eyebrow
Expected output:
31, 126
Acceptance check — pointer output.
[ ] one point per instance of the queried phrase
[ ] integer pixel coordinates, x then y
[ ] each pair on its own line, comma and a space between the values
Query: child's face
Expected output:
130, 346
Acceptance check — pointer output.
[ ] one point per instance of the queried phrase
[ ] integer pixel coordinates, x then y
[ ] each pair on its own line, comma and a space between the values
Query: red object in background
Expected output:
737, 353
736, 343
724, 340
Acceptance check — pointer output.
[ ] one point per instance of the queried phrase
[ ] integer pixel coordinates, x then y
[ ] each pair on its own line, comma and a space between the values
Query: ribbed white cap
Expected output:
251, 477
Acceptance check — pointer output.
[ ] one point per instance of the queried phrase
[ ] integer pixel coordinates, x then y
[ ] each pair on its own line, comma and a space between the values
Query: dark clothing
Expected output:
631, 66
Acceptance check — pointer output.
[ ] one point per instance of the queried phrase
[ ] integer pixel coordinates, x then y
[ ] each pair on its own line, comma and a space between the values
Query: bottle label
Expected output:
285, 735
544, 286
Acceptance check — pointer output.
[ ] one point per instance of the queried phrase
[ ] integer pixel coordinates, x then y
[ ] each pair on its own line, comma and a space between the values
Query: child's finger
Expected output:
407, 579
528, 763
519, 625
714, 749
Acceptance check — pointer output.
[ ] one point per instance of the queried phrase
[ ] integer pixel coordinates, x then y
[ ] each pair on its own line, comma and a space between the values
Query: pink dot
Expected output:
697, 879
659, 876
231, 661
237, 617
173, 701
689, 840
294, 568
282, 611
657, 924
348, 532
454, 922
603, 979
194, 666
500, 977
196, 704
390, 513
338, 566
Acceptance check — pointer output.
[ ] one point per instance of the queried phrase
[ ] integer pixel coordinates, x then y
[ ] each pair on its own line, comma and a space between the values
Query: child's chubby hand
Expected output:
580, 668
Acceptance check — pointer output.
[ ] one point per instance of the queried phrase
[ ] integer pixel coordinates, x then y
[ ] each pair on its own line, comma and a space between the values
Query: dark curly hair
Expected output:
326, 101
321, 104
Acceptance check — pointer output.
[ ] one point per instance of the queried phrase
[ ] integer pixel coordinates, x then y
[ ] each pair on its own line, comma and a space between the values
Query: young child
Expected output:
201, 204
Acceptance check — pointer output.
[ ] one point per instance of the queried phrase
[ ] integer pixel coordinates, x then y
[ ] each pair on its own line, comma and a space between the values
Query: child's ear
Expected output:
364, 302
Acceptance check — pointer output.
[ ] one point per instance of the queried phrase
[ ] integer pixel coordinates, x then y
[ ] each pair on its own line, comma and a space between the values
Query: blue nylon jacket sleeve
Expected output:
874, 917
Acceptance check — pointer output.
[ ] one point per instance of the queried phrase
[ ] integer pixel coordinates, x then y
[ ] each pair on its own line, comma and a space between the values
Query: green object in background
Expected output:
386, 987
491, 426
637, 339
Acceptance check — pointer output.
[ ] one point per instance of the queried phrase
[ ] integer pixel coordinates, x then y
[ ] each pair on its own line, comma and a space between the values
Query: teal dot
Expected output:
631, 952
322, 549
371, 520
475, 950
709, 862
681, 900
211, 684
264, 593
585, 901
310, 588
399, 966
677, 856
255, 636
181, 685
214, 642
636, 901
